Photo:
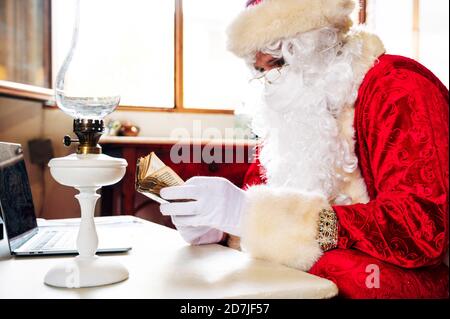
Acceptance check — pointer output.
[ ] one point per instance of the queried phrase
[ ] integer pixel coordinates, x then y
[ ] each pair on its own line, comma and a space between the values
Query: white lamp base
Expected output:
86, 272
87, 173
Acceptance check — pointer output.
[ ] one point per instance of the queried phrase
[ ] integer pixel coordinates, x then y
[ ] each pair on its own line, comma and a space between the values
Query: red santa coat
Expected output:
402, 143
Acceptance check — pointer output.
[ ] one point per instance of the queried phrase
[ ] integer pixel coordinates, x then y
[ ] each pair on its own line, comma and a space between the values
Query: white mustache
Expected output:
284, 92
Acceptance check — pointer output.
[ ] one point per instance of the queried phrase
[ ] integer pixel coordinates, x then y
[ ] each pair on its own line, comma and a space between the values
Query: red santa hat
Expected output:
265, 21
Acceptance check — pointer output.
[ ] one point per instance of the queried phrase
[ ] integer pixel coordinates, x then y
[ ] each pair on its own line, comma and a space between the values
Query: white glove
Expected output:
217, 203
199, 235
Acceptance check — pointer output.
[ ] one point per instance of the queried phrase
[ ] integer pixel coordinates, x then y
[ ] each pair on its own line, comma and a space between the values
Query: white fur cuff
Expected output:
281, 225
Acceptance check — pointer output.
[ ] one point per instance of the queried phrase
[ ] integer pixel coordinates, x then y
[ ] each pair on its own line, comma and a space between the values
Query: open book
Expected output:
152, 175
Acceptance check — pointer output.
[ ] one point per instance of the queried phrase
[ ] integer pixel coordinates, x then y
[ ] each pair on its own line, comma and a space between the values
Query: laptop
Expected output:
25, 237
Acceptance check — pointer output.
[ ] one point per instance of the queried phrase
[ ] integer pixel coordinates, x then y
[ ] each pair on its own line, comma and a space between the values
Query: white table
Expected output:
163, 266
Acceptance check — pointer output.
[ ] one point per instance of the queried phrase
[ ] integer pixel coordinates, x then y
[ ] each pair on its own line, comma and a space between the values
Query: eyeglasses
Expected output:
270, 76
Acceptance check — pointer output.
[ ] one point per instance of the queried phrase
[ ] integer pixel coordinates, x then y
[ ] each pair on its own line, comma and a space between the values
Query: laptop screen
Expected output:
16, 202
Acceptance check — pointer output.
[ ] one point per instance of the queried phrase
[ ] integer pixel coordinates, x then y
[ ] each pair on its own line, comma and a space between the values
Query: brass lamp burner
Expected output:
89, 133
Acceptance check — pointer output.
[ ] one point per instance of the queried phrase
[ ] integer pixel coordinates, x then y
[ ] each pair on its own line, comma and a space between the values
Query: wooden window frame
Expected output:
12, 89
362, 11
179, 78
179, 106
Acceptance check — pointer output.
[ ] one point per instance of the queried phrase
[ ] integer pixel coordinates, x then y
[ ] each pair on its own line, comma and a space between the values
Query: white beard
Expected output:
298, 122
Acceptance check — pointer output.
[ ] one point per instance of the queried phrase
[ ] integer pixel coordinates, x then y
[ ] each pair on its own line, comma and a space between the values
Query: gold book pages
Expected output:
152, 175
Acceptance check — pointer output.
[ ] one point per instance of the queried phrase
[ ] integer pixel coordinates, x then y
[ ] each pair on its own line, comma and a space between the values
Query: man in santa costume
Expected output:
351, 183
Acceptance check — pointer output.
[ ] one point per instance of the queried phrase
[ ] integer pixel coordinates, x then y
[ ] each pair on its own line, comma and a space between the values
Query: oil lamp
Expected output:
87, 91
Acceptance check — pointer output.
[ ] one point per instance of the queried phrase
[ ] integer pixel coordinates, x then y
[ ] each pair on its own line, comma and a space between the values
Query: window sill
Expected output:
124, 108
173, 110
25, 91
35, 93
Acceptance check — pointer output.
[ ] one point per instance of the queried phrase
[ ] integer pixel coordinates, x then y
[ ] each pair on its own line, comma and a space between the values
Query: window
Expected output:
172, 54
176, 66
143, 50
433, 28
169, 63
213, 77
414, 28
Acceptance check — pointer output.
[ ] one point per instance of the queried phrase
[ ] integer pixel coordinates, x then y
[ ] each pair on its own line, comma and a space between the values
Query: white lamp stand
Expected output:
87, 173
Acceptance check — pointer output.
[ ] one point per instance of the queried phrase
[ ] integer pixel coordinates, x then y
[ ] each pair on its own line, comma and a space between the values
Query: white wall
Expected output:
155, 124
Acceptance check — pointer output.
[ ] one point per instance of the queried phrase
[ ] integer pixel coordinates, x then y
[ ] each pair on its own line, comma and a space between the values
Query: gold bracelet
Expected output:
328, 229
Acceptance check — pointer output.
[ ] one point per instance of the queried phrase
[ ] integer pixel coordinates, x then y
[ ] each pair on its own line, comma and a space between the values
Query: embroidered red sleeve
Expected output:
401, 122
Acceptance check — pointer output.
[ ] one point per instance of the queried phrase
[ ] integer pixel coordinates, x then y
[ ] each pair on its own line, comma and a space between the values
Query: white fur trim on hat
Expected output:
272, 20
281, 225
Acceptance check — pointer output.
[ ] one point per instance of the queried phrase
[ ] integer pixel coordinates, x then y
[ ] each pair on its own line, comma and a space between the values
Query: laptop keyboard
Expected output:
50, 240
